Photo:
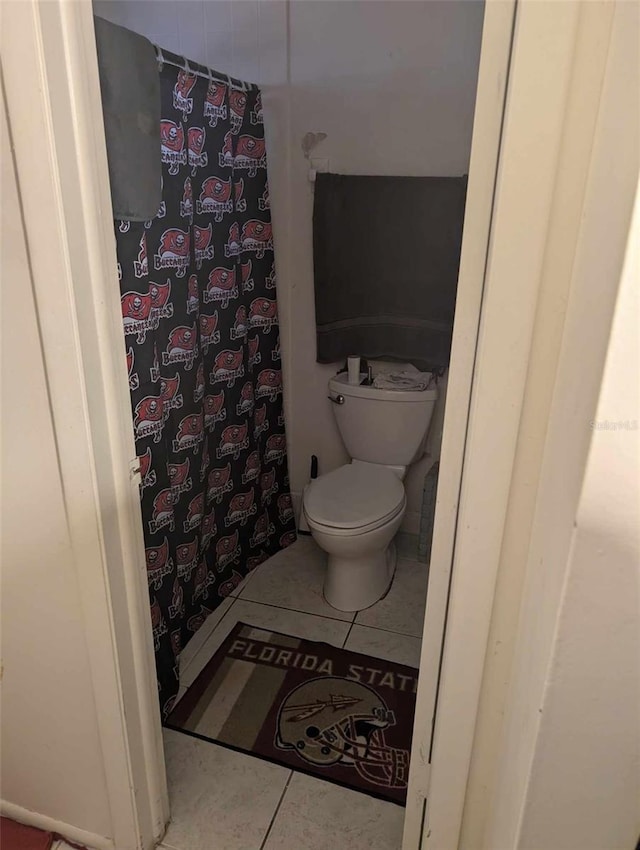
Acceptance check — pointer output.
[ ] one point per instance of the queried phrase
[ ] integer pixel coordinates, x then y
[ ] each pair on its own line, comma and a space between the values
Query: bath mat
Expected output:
329, 712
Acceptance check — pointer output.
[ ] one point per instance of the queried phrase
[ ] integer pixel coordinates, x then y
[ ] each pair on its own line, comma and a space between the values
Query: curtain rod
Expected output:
165, 57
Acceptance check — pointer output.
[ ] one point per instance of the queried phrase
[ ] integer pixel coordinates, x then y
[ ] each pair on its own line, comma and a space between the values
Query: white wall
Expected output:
244, 38
584, 786
52, 761
391, 82
393, 86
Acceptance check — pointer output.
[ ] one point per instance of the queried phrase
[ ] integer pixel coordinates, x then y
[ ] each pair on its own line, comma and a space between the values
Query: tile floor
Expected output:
264, 806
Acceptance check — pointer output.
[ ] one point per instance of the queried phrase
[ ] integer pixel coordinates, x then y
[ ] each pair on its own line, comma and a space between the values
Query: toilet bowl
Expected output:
354, 513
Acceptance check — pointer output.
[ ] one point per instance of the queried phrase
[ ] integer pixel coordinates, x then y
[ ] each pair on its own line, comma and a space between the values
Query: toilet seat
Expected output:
354, 499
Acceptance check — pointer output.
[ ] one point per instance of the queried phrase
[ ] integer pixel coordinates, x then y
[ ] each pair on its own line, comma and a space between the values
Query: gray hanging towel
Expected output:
386, 253
130, 86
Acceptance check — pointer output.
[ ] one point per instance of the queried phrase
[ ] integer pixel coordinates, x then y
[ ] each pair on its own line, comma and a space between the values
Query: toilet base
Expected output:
352, 584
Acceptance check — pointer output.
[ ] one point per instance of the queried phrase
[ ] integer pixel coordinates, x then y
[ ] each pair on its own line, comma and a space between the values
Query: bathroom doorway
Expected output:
55, 123
321, 72
299, 309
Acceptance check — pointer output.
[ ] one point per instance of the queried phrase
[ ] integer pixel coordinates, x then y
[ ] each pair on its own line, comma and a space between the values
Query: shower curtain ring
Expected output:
186, 66
159, 55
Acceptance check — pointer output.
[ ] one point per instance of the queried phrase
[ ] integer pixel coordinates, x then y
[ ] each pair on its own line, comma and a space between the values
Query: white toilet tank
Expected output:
381, 426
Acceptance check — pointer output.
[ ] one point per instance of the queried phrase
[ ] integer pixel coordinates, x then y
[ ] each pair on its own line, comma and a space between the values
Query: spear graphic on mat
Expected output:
310, 709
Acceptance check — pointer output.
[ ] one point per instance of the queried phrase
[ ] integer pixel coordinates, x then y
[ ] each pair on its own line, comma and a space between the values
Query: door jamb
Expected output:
540, 78
497, 36
49, 64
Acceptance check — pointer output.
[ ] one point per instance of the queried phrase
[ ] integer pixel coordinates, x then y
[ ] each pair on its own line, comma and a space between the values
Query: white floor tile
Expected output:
402, 609
220, 799
294, 579
403, 649
195, 644
316, 815
266, 617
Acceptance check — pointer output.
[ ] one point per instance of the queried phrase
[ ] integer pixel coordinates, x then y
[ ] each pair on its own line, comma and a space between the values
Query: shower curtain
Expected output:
201, 332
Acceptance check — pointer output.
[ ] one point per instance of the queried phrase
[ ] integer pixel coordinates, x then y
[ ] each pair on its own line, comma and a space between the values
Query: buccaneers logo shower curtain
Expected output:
201, 331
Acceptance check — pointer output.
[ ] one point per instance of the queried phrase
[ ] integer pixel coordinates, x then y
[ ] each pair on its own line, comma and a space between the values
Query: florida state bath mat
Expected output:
329, 712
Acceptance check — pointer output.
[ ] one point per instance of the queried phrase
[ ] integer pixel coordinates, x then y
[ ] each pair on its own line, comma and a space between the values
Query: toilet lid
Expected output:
353, 496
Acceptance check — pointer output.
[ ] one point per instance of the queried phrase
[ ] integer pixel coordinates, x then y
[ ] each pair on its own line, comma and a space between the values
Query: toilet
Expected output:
354, 511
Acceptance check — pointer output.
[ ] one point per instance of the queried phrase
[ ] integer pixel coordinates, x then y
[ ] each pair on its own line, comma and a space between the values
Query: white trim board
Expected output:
592, 44
66, 830
538, 85
548, 130
54, 107
518, 805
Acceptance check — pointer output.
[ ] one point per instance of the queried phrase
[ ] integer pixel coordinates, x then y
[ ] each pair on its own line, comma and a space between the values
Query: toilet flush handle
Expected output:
338, 399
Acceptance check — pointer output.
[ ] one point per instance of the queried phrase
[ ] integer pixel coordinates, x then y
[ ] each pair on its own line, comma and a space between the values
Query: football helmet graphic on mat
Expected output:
331, 720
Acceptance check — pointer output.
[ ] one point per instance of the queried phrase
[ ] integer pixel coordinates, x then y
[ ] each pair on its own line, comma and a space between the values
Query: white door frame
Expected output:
49, 64
493, 75
547, 100
468, 554
51, 81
